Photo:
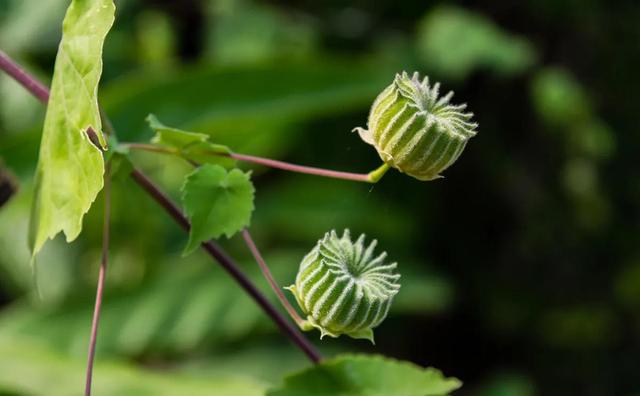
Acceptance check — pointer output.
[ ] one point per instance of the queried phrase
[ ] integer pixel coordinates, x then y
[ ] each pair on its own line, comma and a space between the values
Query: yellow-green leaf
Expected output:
217, 202
192, 146
70, 167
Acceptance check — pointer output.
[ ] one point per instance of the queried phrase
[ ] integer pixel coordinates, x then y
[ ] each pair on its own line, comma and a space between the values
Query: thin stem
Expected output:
101, 279
301, 169
230, 266
269, 277
371, 177
210, 247
32, 85
151, 147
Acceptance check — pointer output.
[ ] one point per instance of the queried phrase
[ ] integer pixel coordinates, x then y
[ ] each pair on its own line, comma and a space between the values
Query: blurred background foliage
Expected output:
521, 269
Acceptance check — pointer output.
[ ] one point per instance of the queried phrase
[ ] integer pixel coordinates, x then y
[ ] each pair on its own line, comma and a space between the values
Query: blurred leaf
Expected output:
323, 204
31, 24
28, 368
190, 145
422, 291
249, 109
176, 311
559, 98
578, 327
216, 203
627, 285
362, 375
70, 168
508, 385
454, 42
8, 185
247, 31
157, 42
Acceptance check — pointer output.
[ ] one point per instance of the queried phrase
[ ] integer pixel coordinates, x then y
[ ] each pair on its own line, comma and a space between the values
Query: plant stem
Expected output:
32, 85
101, 279
42, 93
230, 266
302, 169
152, 147
269, 277
371, 177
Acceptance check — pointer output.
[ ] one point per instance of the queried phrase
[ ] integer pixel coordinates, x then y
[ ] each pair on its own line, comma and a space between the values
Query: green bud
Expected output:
414, 130
343, 288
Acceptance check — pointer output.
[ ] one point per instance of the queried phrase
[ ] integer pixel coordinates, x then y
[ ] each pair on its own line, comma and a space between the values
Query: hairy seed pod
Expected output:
343, 288
416, 131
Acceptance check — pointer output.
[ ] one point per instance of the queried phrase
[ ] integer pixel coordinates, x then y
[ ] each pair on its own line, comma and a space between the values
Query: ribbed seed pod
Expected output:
343, 288
416, 131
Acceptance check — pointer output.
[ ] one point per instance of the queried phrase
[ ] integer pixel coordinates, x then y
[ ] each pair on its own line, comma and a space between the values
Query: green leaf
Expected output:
217, 202
70, 168
192, 146
453, 42
29, 368
362, 375
559, 98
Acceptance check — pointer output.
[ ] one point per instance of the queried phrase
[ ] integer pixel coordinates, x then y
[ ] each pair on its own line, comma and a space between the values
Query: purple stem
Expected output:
32, 85
42, 93
361, 177
101, 279
269, 277
227, 263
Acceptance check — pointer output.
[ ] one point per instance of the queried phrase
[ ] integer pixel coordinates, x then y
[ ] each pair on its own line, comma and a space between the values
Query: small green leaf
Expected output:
191, 146
70, 168
363, 375
217, 202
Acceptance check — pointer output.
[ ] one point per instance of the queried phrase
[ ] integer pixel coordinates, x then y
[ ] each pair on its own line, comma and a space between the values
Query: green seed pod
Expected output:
414, 130
343, 288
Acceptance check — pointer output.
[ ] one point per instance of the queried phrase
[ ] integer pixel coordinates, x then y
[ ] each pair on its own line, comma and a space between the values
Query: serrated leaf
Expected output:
191, 146
366, 375
70, 168
217, 202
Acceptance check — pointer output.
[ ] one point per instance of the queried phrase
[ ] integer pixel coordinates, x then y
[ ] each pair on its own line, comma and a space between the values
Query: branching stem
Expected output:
371, 177
215, 251
230, 266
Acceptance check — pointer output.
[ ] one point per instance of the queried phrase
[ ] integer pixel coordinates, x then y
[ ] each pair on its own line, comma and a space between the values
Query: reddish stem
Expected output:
361, 177
230, 266
269, 277
215, 251
101, 279
31, 84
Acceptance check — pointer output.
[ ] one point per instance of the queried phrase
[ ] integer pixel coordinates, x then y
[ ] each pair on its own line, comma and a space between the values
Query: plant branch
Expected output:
230, 266
101, 279
371, 177
42, 93
269, 277
32, 85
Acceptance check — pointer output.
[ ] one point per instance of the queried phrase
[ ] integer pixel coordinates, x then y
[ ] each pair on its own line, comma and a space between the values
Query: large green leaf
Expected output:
216, 203
70, 168
362, 375
31, 369
252, 109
